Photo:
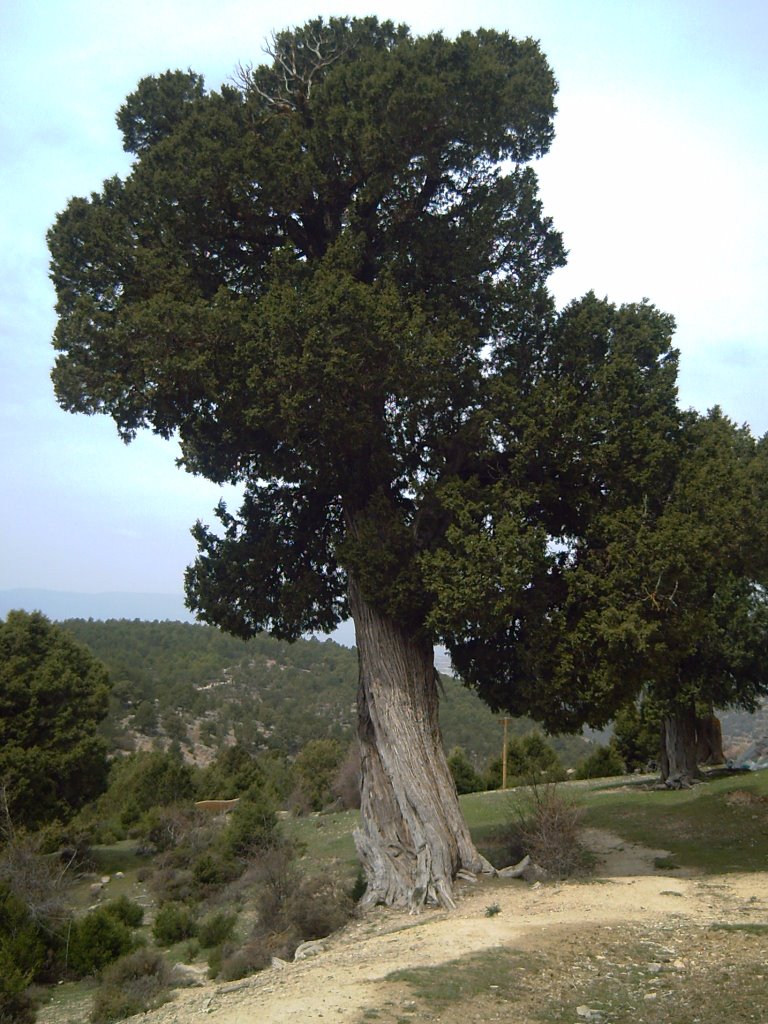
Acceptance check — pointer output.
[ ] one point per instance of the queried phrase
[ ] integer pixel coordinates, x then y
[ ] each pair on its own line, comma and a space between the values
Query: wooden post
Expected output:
504, 746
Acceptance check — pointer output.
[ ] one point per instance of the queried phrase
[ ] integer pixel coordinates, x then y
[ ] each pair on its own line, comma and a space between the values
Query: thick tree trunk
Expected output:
679, 766
709, 740
413, 840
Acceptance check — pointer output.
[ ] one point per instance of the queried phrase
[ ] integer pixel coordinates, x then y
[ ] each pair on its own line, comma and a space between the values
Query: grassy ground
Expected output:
718, 826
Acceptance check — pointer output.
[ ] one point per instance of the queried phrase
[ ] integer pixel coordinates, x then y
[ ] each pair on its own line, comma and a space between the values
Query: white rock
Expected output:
307, 949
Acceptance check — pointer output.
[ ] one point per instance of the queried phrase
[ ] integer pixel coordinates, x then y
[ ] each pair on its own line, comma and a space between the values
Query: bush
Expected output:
134, 984
248, 959
174, 827
252, 827
546, 826
209, 871
531, 760
346, 785
21, 939
35, 881
601, 764
316, 768
294, 909
96, 940
174, 922
125, 910
216, 929
15, 1005
319, 906
464, 775
170, 885
636, 735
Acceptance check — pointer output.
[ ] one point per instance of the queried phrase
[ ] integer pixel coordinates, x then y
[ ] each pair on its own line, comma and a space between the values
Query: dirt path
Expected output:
347, 977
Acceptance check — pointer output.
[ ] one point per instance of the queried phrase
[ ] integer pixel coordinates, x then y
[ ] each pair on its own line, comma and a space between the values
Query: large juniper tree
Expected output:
329, 282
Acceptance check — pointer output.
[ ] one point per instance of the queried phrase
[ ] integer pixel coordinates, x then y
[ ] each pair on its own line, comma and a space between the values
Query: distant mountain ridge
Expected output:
64, 604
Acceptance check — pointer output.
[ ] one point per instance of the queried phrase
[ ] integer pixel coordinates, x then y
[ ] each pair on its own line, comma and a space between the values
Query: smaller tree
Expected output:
464, 775
530, 759
601, 763
637, 735
53, 694
316, 768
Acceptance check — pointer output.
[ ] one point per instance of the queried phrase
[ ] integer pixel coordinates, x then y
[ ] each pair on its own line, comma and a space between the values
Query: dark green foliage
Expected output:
133, 984
95, 941
230, 775
252, 827
53, 694
15, 1005
157, 107
125, 910
601, 763
464, 775
174, 921
530, 759
330, 283
216, 929
211, 870
140, 783
636, 734
159, 780
22, 941
315, 769
383, 246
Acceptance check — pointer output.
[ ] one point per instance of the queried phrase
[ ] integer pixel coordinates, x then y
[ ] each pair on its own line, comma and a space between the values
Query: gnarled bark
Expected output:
679, 766
709, 740
413, 840
686, 742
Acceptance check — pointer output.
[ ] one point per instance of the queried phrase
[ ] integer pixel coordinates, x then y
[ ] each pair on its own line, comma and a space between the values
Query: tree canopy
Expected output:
301, 277
53, 694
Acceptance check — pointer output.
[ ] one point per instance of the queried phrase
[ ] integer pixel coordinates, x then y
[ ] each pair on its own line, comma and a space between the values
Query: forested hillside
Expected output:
198, 687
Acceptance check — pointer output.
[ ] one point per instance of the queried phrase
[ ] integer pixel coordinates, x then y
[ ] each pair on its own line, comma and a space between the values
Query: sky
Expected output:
658, 180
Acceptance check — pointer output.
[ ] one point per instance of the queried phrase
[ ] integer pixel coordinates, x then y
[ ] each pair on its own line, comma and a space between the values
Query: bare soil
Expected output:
634, 937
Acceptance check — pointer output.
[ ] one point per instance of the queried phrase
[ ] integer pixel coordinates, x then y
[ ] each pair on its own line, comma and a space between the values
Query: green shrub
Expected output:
134, 984
20, 937
96, 940
125, 910
171, 885
174, 922
530, 760
601, 763
216, 929
464, 775
316, 768
299, 908
211, 870
252, 827
636, 734
15, 1005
